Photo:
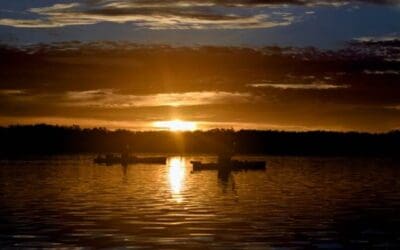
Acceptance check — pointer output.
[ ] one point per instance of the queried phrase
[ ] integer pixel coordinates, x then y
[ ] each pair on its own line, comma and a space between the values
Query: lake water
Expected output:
296, 203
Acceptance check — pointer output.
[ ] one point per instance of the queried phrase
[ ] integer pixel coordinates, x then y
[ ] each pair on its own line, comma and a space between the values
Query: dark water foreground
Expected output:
296, 203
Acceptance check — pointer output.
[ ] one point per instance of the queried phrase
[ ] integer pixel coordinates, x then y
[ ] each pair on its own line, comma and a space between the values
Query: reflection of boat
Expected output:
124, 160
232, 165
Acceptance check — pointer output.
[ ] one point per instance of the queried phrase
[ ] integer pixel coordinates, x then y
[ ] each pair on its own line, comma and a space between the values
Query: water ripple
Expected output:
327, 203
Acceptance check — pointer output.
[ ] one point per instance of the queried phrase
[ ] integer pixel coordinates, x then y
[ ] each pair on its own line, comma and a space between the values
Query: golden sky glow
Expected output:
176, 125
127, 86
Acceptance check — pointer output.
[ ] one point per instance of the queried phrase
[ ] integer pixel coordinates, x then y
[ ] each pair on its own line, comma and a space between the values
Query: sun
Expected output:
176, 125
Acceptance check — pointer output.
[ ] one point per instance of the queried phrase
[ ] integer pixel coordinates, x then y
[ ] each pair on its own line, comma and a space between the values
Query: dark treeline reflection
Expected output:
47, 139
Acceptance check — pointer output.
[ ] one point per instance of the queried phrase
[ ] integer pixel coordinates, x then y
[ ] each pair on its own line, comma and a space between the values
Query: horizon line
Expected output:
76, 126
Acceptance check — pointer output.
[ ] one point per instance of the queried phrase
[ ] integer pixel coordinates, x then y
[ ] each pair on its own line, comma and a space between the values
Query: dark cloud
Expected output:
241, 2
154, 15
168, 14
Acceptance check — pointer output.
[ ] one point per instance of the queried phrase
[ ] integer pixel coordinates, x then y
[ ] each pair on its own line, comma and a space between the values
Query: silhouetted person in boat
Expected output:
226, 152
125, 155
225, 159
225, 164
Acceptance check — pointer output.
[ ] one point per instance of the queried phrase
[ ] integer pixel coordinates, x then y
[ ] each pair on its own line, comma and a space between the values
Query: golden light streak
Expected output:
176, 177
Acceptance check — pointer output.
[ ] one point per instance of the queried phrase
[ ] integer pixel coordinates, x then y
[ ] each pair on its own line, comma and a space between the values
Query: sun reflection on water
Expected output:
176, 175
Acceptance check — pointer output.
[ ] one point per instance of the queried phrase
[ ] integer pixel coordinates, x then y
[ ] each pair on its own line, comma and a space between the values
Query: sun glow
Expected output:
176, 125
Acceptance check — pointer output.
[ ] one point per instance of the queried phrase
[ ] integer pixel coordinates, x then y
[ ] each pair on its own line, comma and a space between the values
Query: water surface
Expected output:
296, 203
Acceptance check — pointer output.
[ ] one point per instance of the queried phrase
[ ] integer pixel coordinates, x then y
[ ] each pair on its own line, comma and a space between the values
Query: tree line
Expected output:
48, 139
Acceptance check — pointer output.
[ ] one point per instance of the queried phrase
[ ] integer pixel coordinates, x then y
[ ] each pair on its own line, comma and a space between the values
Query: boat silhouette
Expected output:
111, 159
231, 165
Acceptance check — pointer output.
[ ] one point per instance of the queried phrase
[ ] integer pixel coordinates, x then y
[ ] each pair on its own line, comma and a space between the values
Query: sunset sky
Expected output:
145, 64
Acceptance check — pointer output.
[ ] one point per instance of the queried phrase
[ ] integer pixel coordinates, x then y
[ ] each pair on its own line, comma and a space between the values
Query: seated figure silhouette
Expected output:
125, 155
225, 160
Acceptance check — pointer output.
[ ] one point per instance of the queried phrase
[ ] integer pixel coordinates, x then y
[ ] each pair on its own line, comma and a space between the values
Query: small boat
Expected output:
232, 165
113, 159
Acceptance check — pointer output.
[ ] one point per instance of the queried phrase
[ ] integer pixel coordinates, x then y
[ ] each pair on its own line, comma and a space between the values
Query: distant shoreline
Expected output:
25, 140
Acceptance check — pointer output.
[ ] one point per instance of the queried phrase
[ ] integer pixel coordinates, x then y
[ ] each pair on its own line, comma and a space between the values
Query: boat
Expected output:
125, 160
233, 165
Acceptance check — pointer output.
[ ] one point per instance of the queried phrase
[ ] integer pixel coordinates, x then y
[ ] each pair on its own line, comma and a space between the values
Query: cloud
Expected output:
11, 92
382, 72
177, 14
387, 47
378, 39
109, 98
242, 3
153, 15
117, 82
318, 86
395, 107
